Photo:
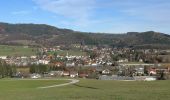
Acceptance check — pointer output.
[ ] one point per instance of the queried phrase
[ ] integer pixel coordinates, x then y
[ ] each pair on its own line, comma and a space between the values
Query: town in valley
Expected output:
87, 61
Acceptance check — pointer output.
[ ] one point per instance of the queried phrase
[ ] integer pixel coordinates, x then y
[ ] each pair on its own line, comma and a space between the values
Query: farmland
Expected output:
84, 90
6, 50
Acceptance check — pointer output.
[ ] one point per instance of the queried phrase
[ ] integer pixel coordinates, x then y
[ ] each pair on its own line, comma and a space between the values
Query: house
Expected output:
94, 64
66, 73
70, 64
139, 71
3, 57
56, 73
106, 72
109, 63
158, 70
24, 57
122, 60
73, 74
58, 64
83, 75
140, 60
152, 71
45, 62
33, 57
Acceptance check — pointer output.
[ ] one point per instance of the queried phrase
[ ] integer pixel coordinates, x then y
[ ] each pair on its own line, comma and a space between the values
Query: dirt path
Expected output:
72, 81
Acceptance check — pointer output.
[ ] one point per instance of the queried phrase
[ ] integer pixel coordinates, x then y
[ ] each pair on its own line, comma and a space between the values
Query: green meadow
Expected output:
84, 90
6, 50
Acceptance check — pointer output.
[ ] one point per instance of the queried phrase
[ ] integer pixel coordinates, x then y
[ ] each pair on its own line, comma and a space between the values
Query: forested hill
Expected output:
46, 35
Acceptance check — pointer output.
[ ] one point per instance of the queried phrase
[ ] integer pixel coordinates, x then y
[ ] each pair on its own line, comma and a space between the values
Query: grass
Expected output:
6, 50
10, 84
85, 90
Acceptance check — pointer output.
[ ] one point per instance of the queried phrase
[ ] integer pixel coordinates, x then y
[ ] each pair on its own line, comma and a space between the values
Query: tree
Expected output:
6, 70
92, 54
38, 68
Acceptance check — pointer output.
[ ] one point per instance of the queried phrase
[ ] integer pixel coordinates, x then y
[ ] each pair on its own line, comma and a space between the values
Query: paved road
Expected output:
72, 81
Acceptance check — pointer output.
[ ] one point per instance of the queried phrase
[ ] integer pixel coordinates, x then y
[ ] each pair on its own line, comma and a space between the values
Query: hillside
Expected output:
46, 35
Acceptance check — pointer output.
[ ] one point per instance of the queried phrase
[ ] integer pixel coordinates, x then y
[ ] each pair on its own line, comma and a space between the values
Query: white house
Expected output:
73, 74
70, 64
3, 57
106, 71
43, 62
33, 57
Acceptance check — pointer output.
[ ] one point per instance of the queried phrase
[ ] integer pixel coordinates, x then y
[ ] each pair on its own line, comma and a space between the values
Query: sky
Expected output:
108, 16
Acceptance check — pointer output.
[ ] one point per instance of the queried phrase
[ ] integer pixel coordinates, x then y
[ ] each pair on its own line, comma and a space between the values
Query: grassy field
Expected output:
6, 50
16, 50
85, 90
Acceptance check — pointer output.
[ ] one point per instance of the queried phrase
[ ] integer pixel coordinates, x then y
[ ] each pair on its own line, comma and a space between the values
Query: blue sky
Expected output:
113, 16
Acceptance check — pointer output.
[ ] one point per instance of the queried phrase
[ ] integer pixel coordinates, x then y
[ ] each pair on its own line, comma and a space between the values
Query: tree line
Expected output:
7, 70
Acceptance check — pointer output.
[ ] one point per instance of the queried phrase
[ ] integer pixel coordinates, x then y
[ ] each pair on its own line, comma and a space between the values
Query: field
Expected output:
16, 50
6, 50
84, 90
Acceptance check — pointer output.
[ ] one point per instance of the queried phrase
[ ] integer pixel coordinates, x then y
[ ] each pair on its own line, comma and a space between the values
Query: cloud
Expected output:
151, 10
76, 13
121, 14
82, 10
76, 9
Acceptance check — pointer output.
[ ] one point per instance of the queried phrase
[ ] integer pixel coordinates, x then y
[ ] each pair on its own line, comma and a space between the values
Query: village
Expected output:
96, 62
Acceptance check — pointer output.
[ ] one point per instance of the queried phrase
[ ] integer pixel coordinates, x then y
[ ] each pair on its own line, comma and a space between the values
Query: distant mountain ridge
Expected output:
46, 35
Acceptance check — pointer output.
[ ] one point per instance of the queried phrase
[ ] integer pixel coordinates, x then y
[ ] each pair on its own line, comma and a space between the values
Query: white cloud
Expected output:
151, 10
138, 14
77, 12
75, 9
